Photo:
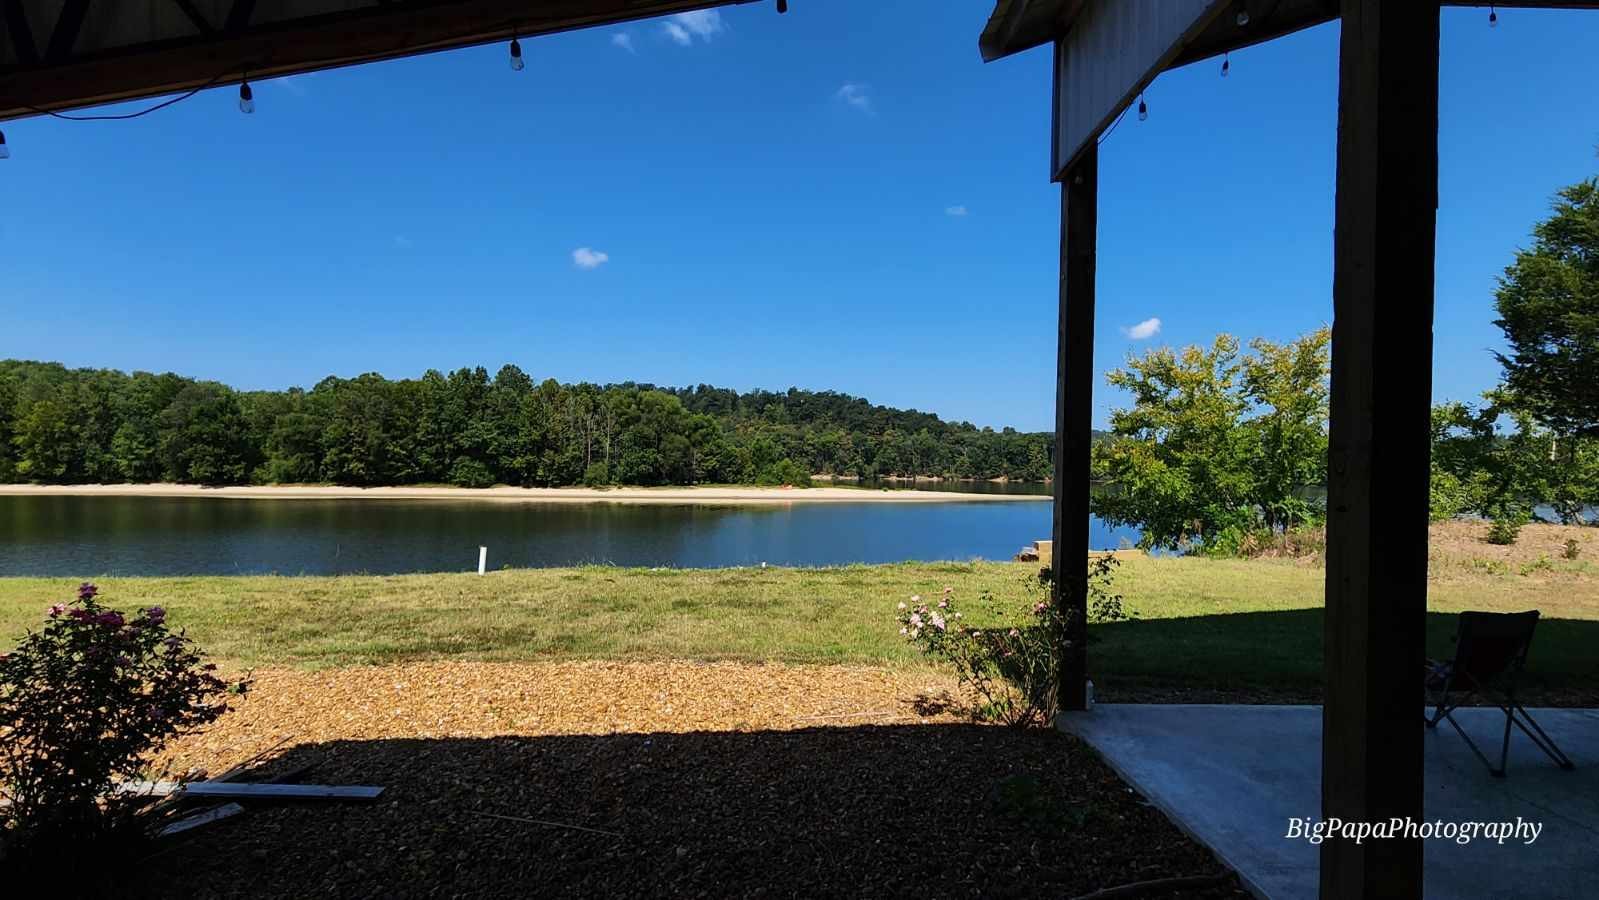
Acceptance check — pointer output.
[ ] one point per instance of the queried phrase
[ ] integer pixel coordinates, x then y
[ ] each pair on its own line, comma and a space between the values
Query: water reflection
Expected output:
85, 536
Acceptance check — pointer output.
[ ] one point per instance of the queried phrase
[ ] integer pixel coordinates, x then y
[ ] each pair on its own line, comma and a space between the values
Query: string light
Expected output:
1493, 16
246, 97
1143, 109
516, 55
1242, 15
1225, 65
5, 152
782, 6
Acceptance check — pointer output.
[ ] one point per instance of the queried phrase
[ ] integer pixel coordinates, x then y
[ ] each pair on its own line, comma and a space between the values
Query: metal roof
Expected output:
1018, 25
61, 54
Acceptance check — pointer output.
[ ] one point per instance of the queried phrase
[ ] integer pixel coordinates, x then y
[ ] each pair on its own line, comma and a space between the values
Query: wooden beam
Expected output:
68, 24
1074, 396
194, 16
21, 33
1377, 483
239, 15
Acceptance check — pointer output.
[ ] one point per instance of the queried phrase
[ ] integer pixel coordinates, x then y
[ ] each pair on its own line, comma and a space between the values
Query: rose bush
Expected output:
1010, 661
83, 701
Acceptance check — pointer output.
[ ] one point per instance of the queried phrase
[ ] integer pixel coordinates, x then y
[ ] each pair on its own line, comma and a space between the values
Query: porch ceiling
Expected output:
62, 54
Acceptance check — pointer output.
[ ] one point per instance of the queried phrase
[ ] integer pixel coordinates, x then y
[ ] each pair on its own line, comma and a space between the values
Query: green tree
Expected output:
1548, 302
1288, 386
1216, 442
203, 436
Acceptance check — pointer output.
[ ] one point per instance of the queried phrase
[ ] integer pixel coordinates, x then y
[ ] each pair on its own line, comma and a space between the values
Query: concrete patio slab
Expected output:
1233, 776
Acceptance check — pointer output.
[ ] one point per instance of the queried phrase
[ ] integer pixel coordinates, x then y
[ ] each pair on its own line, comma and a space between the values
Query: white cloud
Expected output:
684, 27
1143, 330
623, 39
588, 258
956, 211
294, 84
855, 95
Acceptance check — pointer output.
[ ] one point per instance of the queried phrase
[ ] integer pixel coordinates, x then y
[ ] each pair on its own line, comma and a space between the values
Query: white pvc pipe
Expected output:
482, 559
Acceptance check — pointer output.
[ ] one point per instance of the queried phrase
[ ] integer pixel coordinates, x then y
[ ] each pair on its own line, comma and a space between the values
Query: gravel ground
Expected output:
659, 779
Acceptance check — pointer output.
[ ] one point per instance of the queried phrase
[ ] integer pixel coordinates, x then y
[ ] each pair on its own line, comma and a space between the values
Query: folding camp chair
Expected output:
1490, 651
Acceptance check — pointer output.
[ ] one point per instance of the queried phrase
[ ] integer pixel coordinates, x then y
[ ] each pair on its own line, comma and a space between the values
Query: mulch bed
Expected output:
700, 780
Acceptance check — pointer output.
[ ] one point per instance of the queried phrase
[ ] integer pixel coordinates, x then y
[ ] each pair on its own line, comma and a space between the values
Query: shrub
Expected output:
1301, 542
1505, 527
82, 701
784, 471
1571, 550
597, 475
471, 473
1011, 664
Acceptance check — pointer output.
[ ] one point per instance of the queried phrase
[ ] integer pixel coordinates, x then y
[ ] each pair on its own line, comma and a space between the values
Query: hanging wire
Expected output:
1106, 136
134, 115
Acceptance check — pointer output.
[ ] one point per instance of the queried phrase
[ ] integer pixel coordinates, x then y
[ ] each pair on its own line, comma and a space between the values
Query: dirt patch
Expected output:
1460, 541
691, 780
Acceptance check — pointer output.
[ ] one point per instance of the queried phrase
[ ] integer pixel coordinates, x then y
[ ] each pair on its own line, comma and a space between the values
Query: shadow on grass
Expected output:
1276, 657
883, 811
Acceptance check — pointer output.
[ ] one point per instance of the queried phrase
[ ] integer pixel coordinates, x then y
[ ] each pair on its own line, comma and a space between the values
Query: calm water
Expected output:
90, 536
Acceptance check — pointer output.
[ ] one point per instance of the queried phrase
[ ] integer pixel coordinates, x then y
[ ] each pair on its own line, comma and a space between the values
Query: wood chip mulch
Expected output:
659, 779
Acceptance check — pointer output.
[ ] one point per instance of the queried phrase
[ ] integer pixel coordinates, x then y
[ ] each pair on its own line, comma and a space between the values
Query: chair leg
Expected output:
1504, 749
1497, 773
1542, 739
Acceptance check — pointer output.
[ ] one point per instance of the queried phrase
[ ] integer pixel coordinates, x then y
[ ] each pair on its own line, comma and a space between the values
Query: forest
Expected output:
467, 428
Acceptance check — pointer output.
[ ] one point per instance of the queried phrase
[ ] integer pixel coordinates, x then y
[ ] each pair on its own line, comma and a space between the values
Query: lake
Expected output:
84, 537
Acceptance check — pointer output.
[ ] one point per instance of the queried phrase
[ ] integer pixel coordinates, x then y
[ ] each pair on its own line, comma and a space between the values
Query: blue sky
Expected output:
841, 198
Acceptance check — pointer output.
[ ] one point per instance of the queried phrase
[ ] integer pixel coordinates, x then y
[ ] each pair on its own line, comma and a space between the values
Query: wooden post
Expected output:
1387, 187
1074, 394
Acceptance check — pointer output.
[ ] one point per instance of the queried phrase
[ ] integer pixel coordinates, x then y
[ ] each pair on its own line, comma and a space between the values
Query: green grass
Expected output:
1235, 628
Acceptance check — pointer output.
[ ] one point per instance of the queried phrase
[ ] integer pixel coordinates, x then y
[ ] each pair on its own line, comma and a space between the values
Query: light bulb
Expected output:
1224, 65
1242, 16
5, 152
516, 55
246, 98
1143, 110
782, 6
1493, 18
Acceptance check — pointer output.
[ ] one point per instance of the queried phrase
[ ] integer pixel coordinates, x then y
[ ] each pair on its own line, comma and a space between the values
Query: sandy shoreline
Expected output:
721, 496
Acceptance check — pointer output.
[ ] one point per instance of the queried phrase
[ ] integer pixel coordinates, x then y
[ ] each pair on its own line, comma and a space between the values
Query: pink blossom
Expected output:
916, 598
943, 604
904, 631
1015, 633
902, 604
56, 610
938, 621
916, 620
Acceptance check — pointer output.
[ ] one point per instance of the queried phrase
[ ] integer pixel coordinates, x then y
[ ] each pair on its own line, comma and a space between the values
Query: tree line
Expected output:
467, 428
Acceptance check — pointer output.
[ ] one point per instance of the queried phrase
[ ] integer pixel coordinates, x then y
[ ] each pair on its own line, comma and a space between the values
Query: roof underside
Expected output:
62, 54
1018, 25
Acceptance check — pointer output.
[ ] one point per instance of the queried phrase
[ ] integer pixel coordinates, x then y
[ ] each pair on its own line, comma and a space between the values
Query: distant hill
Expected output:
469, 428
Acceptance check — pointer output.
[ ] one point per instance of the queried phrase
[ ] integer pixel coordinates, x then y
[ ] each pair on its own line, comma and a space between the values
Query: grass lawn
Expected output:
1204, 629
